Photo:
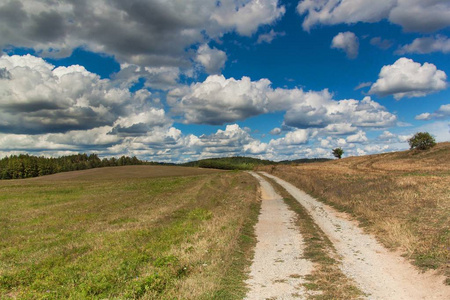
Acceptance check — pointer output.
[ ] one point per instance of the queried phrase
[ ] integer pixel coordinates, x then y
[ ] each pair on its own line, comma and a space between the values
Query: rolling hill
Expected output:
401, 197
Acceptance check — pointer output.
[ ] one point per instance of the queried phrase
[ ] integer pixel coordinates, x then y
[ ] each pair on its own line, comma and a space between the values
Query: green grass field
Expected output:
147, 232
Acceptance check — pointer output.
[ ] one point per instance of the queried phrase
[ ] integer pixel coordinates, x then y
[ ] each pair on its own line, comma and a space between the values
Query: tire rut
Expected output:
277, 268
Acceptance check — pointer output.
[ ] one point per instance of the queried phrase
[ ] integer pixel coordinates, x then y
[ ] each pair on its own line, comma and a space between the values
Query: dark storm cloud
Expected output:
12, 14
47, 27
152, 15
133, 130
35, 106
144, 32
52, 121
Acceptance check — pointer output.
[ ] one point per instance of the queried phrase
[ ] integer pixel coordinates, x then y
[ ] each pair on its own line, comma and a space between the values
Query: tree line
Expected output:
27, 166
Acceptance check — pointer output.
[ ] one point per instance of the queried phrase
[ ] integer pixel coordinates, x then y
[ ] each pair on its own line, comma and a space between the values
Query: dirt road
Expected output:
277, 269
380, 274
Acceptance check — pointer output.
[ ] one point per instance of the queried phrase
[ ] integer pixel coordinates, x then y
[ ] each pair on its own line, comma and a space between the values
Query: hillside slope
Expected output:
402, 197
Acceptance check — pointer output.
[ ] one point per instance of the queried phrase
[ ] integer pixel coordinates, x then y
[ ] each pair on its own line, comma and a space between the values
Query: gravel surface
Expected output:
277, 268
379, 273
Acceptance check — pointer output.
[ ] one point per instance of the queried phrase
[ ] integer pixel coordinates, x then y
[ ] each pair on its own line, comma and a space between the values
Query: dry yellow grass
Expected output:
403, 198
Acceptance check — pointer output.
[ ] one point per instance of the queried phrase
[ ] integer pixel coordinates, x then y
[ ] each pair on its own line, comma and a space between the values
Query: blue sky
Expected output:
185, 80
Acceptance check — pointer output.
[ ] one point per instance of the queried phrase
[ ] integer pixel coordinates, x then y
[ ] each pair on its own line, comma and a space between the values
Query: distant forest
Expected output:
27, 166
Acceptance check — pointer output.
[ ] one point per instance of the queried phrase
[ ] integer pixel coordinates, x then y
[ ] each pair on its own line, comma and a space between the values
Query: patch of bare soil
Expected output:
277, 268
379, 273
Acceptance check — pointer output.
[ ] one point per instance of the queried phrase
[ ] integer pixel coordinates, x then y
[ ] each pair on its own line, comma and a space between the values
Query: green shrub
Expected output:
421, 141
337, 152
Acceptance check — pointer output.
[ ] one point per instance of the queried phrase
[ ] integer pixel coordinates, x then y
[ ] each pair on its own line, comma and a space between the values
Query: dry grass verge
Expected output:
120, 235
403, 198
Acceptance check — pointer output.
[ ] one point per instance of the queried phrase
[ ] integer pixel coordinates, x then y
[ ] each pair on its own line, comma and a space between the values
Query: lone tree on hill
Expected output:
337, 152
421, 141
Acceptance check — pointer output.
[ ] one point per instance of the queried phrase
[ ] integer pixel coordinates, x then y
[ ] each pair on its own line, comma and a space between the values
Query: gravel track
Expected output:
379, 273
277, 268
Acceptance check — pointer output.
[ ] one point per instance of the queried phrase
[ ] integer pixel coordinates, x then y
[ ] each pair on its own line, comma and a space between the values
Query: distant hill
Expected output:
303, 161
244, 163
229, 163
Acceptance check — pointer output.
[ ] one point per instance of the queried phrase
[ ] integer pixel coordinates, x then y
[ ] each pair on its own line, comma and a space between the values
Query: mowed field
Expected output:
402, 197
127, 232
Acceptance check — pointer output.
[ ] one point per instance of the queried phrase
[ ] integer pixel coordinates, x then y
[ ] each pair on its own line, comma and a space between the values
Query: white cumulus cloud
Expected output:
275, 131
412, 15
348, 42
363, 85
425, 45
320, 110
212, 59
340, 128
296, 137
380, 43
441, 113
407, 78
387, 135
331, 12
421, 16
219, 100
159, 78
246, 16
359, 137
269, 37
233, 140
38, 98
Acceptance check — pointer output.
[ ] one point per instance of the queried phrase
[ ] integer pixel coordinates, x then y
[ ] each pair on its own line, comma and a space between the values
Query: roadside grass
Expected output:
326, 281
99, 236
403, 198
231, 286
